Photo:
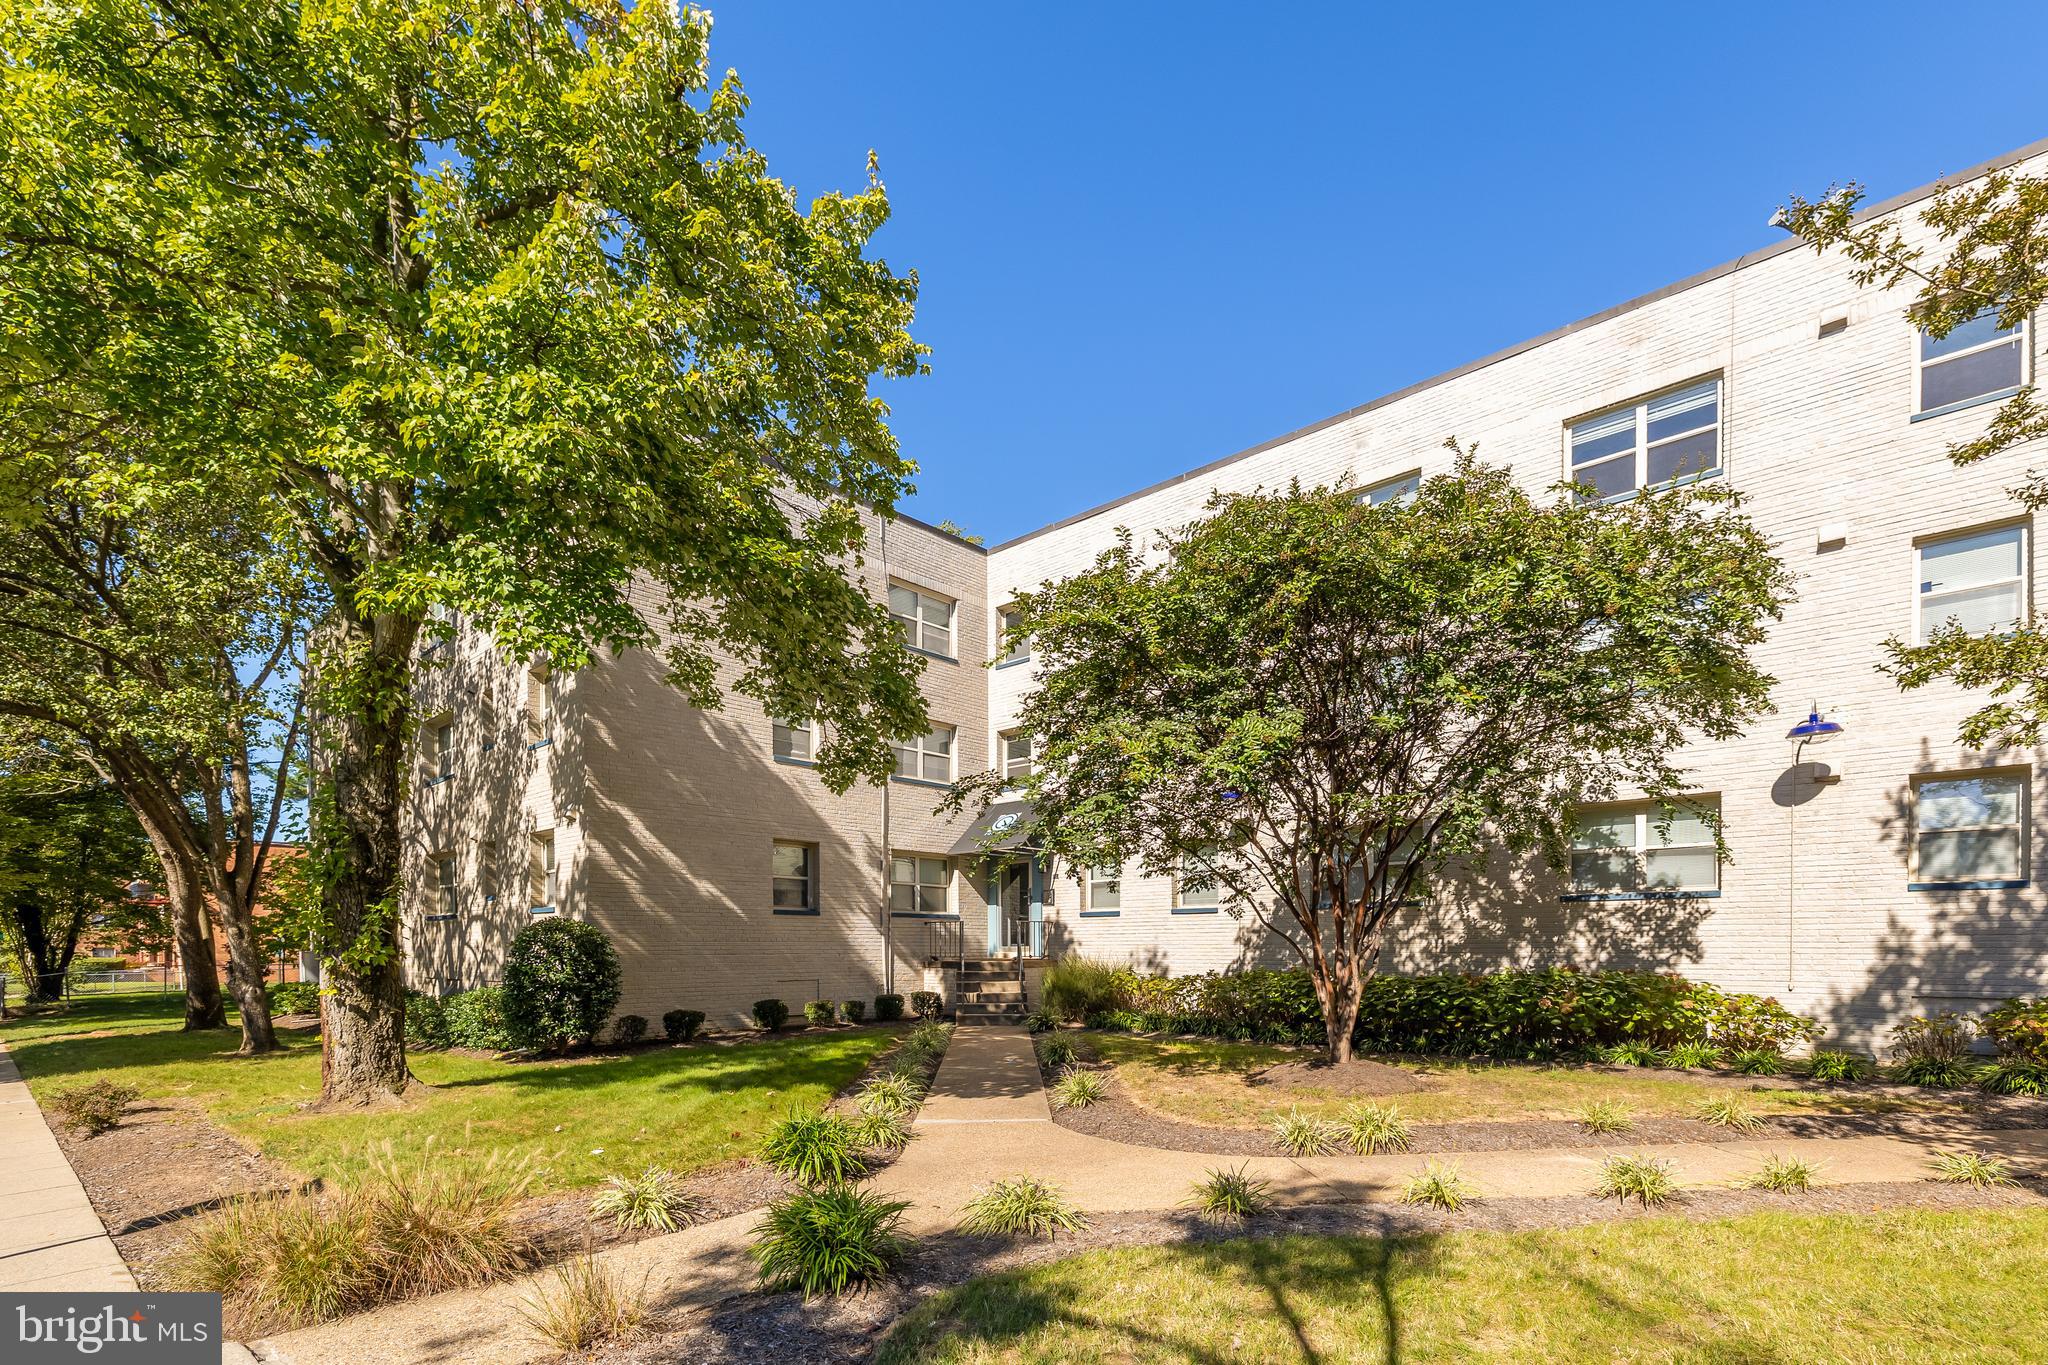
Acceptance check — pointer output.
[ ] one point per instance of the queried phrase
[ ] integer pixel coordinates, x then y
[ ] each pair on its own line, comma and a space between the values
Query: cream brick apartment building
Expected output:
704, 845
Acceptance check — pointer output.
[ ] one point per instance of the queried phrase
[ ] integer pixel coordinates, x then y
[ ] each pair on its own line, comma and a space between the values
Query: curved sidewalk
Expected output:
987, 1117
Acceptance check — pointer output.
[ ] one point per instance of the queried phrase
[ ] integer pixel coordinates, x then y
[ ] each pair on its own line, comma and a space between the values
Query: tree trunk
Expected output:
245, 976
42, 972
193, 927
361, 747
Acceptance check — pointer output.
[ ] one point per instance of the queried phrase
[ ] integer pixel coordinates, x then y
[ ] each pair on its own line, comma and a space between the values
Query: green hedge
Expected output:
295, 997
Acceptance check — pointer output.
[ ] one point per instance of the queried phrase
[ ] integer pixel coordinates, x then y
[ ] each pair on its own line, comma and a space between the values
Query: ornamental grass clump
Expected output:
814, 1149
1756, 1061
1374, 1128
881, 1132
2014, 1076
1077, 1089
1835, 1067
1057, 1050
1605, 1116
1632, 1052
652, 1201
1782, 1175
1692, 1056
1729, 1113
892, 1092
1934, 1050
1021, 1206
1302, 1134
1231, 1196
1645, 1179
1972, 1169
584, 1303
829, 1241
1440, 1185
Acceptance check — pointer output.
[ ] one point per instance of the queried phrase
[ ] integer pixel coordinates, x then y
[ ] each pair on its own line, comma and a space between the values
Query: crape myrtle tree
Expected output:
496, 305
1312, 704
1978, 255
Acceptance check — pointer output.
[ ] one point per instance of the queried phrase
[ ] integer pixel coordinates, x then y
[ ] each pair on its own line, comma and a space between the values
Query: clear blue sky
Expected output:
1149, 235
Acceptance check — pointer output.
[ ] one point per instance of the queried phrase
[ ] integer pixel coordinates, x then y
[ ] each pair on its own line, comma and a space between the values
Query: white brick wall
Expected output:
665, 815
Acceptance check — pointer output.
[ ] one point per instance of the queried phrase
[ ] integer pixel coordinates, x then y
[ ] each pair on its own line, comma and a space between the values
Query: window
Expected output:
1102, 888
796, 876
540, 705
928, 758
1969, 829
540, 872
1623, 850
1979, 359
1187, 898
444, 748
927, 621
1399, 491
918, 886
1662, 441
1976, 580
1014, 754
444, 886
792, 740
1019, 647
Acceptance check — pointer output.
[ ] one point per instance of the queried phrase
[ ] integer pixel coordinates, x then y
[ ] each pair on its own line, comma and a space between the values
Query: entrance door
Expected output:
1015, 908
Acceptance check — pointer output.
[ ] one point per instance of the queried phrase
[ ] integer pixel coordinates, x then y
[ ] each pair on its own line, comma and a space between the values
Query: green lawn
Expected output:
583, 1119
1205, 1081
1765, 1287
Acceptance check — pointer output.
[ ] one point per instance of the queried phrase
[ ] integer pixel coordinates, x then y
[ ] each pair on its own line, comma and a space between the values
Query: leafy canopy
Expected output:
1311, 702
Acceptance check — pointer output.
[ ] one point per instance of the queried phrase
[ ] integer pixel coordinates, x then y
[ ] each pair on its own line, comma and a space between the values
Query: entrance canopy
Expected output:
1005, 827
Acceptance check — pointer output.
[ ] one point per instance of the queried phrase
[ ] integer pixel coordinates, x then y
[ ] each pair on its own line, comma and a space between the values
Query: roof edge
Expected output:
1708, 276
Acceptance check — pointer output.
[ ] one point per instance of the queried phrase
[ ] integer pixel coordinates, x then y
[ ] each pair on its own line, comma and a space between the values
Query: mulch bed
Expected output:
1358, 1076
763, 1326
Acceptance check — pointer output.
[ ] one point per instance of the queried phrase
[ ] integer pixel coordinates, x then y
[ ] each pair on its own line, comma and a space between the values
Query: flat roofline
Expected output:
1891, 205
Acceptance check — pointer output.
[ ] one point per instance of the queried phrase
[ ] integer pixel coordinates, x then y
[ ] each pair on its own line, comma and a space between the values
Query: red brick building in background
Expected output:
162, 954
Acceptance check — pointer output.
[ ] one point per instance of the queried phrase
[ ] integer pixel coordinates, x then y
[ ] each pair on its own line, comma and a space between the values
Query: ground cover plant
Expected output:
1021, 1206
1646, 1180
1836, 1067
1231, 1196
1302, 1134
1730, 1113
584, 1118
829, 1241
1374, 1128
814, 1149
1077, 1089
1971, 1168
1605, 1116
1922, 1287
1784, 1174
1439, 1185
654, 1201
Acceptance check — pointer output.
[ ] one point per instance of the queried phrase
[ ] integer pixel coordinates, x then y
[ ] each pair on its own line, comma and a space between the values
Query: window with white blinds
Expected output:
1666, 440
1976, 581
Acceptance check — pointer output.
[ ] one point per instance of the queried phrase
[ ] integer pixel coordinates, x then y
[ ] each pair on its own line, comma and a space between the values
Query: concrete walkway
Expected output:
50, 1238
987, 1118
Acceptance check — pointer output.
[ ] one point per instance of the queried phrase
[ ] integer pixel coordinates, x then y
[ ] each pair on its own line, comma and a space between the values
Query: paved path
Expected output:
50, 1238
988, 1118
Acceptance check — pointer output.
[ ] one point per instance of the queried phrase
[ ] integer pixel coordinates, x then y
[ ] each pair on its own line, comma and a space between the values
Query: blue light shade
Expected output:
1813, 727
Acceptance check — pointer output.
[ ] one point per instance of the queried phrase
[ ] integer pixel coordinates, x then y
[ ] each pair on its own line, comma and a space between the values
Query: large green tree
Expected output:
496, 304
1313, 703
69, 845
1974, 249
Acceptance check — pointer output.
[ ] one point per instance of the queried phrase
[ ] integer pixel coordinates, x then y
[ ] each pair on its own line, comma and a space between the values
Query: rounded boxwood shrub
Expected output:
681, 1025
821, 1011
771, 1014
888, 1008
927, 1003
476, 1019
426, 1022
561, 981
629, 1029
853, 1011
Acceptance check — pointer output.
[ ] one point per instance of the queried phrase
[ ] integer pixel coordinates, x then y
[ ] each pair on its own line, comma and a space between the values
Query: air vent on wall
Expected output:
1832, 327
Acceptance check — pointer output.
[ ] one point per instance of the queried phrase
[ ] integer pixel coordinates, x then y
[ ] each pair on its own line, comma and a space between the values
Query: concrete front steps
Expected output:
990, 993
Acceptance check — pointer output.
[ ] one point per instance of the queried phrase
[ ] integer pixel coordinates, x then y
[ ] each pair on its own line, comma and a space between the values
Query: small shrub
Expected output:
880, 1132
1605, 1116
813, 1149
295, 997
1024, 1206
561, 982
1372, 1128
2014, 1075
1783, 1174
1232, 1196
888, 1008
1440, 1185
821, 1011
95, 1107
1969, 1168
890, 1093
1302, 1134
1077, 1089
2019, 1028
584, 1303
1942, 1073
771, 1014
927, 1004
1076, 987
829, 1241
426, 1022
1040, 1020
629, 1029
1836, 1067
1633, 1052
1636, 1177
1692, 1056
1056, 1050
1942, 1037
476, 1019
1729, 1113
680, 1026
653, 1200
1757, 1061
1756, 1023
854, 1011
